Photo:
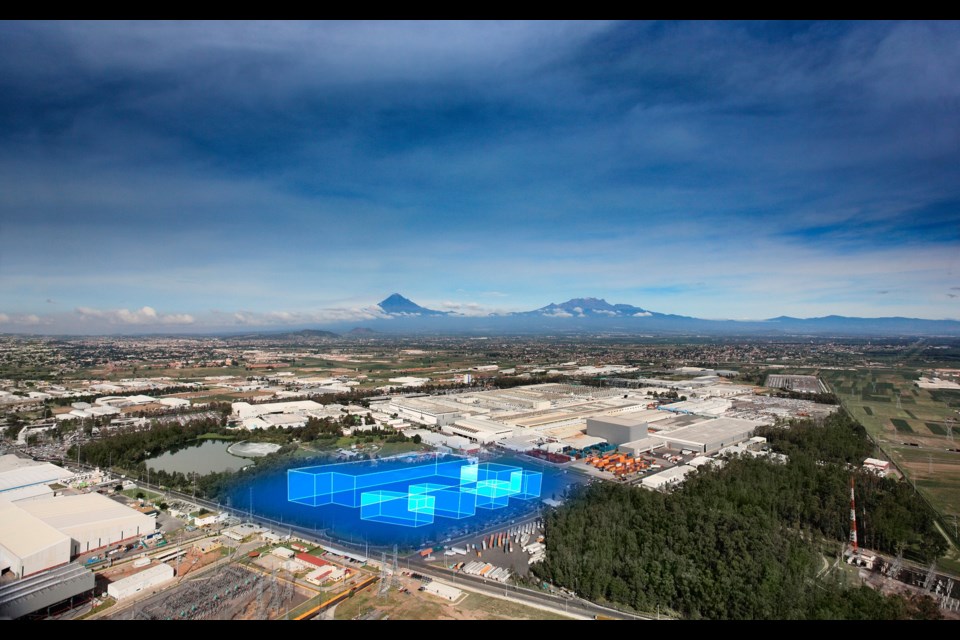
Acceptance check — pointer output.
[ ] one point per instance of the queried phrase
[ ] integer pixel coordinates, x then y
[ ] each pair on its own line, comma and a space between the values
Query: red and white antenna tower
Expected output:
853, 520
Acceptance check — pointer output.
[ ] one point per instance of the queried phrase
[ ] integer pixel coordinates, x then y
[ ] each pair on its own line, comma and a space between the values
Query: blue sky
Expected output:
195, 176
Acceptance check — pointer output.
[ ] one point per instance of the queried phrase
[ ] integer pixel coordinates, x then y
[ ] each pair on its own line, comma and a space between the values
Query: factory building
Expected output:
143, 581
709, 436
90, 520
617, 429
36, 593
643, 445
29, 545
21, 478
423, 411
244, 410
479, 430
668, 477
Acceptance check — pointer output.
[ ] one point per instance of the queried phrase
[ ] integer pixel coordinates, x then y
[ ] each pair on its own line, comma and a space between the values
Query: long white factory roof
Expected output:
65, 512
16, 473
23, 534
710, 430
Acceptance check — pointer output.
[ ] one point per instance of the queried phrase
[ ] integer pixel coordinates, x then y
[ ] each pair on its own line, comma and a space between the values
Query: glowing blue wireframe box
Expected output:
396, 507
531, 485
450, 501
451, 488
343, 484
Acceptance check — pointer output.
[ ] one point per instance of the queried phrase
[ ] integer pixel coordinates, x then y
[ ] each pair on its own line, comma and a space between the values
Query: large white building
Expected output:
479, 430
617, 429
246, 410
424, 411
29, 545
90, 520
21, 478
143, 581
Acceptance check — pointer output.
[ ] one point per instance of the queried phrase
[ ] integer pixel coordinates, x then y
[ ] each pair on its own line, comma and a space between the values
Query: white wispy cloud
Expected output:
26, 320
143, 316
270, 318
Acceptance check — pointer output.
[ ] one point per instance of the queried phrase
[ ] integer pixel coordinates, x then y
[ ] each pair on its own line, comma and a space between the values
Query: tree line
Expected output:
742, 541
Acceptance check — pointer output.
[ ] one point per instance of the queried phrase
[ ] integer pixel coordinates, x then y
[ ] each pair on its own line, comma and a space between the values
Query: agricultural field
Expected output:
917, 435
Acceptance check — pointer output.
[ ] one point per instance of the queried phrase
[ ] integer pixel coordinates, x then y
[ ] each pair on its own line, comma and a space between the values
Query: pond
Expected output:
206, 457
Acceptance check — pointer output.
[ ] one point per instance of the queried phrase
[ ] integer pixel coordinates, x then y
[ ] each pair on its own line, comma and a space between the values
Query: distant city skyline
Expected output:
201, 176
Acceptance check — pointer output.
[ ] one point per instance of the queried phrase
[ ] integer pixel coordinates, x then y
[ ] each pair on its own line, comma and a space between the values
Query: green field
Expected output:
936, 428
901, 425
149, 496
914, 439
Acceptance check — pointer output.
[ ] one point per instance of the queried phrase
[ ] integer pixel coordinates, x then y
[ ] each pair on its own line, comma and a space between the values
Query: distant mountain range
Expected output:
598, 315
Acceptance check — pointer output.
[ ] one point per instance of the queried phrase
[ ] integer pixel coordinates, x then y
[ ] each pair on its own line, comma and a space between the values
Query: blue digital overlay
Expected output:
414, 493
265, 494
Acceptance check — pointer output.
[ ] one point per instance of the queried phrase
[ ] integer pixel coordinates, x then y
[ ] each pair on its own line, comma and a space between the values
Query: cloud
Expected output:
272, 318
27, 320
606, 312
642, 314
143, 316
472, 309
557, 313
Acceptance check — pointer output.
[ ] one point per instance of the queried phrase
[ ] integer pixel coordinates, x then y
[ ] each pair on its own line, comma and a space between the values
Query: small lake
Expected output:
206, 457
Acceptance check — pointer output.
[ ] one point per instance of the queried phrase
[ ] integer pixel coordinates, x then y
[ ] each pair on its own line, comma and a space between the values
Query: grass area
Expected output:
868, 411
395, 448
936, 428
909, 413
149, 496
109, 602
215, 436
901, 425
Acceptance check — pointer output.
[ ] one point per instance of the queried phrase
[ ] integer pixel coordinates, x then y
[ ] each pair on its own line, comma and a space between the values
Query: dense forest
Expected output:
743, 541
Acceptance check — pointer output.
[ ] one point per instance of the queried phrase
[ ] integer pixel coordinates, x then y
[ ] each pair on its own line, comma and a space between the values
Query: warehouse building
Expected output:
423, 411
709, 436
21, 478
246, 410
145, 580
643, 445
90, 520
29, 545
479, 430
667, 478
617, 429
44, 590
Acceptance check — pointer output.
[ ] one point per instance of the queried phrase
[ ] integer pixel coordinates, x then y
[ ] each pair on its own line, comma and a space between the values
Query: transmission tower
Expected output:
853, 521
928, 582
395, 581
384, 578
894, 570
945, 599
